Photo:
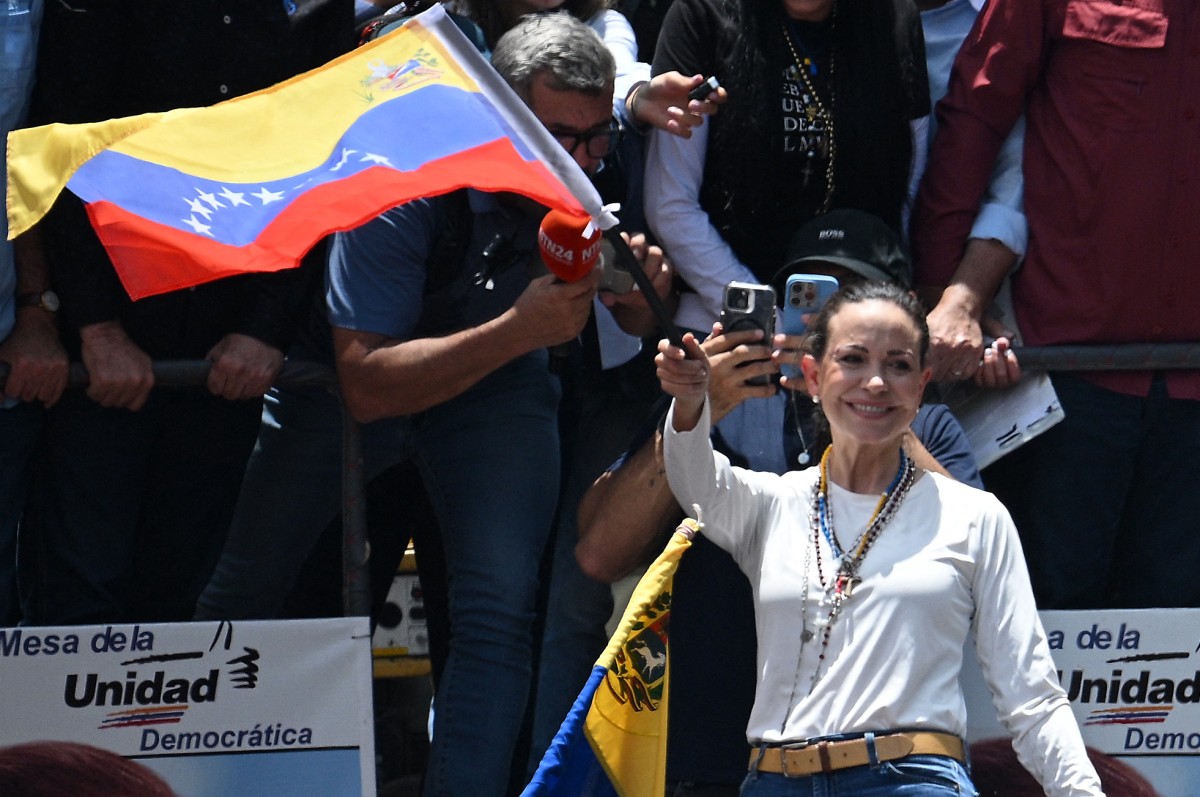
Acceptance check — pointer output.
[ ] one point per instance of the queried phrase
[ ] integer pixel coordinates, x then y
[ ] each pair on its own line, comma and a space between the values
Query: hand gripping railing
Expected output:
356, 588
356, 593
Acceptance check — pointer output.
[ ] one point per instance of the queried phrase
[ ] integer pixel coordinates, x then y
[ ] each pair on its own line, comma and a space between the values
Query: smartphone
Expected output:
702, 91
614, 276
747, 305
803, 295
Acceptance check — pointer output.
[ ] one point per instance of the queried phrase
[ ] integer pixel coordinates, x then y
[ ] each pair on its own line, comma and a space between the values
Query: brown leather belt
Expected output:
796, 761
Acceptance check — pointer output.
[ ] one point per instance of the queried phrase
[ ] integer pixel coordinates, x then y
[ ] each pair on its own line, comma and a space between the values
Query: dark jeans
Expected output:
128, 510
489, 460
19, 427
686, 788
1105, 500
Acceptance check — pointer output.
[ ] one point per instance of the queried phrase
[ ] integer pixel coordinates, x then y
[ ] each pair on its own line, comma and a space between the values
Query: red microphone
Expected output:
566, 250
570, 255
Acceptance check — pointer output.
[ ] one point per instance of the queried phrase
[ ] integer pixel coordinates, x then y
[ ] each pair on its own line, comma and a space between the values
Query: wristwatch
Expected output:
46, 300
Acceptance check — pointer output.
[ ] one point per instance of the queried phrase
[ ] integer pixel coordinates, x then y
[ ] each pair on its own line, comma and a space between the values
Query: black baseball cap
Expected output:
853, 239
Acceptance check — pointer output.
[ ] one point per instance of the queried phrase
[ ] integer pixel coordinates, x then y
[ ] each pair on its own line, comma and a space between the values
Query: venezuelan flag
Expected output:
195, 194
613, 742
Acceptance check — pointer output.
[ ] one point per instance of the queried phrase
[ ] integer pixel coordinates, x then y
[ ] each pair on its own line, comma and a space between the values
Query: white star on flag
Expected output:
346, 153
199, 226
209, 198
267, 197
197, 207
371, 157
234, 197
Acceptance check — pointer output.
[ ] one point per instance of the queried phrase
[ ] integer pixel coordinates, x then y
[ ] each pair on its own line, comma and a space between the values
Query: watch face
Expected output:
50, 301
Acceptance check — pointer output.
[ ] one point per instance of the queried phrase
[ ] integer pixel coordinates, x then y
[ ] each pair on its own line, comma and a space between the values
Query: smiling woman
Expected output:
868, 573
866, 369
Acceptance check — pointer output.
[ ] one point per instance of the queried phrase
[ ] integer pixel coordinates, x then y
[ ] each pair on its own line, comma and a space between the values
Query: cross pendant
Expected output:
846, 584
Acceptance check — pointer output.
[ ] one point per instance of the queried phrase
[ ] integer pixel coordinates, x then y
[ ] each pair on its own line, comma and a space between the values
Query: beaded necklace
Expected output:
803, 67
840, 588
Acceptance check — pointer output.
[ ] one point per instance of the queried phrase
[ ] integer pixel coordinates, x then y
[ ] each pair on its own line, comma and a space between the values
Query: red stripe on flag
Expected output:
151, 258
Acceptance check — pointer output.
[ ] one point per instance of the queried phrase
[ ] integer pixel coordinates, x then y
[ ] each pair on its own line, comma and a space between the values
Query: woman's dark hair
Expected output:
487, 14
67, 769
874, 79
817, 339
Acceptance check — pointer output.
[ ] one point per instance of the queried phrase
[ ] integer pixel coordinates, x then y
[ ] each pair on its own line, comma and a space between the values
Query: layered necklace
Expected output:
805, 67
839, 588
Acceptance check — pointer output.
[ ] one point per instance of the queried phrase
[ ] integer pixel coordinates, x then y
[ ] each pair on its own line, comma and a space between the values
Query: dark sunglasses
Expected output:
598, 142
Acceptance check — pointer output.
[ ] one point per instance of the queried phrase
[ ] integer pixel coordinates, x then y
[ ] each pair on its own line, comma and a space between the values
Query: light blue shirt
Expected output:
19, 23
1002, 212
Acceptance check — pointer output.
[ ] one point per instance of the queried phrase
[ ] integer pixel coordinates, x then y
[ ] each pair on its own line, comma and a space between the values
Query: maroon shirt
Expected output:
1112, 170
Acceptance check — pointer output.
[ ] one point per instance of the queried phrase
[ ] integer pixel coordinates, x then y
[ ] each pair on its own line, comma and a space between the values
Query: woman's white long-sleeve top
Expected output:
947, 563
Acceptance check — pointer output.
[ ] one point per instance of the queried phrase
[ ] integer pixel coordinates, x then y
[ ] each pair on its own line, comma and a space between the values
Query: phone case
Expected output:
803, 295
749, 306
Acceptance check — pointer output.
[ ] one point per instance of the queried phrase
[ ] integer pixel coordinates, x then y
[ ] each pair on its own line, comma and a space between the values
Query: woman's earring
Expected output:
816, 399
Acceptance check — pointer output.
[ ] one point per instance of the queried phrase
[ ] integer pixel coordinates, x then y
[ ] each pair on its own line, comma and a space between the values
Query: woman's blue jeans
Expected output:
913, 776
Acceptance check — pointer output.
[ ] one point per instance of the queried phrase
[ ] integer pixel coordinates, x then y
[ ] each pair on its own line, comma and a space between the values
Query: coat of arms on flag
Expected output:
613, 742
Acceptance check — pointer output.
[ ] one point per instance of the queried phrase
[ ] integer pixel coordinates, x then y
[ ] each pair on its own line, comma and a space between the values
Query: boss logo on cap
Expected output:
825, 235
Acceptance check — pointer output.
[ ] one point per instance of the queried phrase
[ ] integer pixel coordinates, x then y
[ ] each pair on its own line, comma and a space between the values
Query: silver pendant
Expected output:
804, 458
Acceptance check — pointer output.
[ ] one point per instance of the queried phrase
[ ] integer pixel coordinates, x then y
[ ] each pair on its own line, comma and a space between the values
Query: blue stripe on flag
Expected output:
404, 133
570, 766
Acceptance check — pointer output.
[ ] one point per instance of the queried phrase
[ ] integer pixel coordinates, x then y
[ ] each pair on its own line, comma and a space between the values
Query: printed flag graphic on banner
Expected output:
195, 194
613, 742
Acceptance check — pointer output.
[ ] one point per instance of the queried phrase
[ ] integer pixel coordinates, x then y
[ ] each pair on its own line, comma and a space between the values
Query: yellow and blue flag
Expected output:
613, 742
195, 194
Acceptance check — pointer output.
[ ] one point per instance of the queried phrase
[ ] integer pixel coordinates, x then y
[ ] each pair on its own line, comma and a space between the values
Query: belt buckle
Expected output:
783, 759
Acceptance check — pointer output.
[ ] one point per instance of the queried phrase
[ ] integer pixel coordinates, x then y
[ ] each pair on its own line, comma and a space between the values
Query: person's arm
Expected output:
617, 34
994, 72
628, 512
919, 131
119, 372
663, 102
998, 239
1015, 659
375, 296
383, 377
35, 355
247, 360
955, 332
674, 174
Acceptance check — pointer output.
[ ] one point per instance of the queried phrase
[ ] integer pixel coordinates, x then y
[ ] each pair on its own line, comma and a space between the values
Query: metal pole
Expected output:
1115, 357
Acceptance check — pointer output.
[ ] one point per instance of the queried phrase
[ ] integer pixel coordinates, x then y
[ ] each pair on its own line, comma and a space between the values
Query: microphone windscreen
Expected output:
567, 252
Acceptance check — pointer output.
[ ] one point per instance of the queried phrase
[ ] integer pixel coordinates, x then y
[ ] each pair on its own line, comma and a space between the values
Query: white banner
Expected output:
1133, 678
280, 707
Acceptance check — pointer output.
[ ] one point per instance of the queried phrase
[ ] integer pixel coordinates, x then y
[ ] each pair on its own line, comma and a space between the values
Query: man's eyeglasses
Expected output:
598, 142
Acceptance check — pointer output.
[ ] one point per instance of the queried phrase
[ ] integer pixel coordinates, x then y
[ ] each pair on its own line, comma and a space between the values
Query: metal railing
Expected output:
1114, 357
356, 587
356, 590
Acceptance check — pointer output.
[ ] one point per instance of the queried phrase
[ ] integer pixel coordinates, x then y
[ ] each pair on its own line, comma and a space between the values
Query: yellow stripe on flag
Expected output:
627, 723
305, 113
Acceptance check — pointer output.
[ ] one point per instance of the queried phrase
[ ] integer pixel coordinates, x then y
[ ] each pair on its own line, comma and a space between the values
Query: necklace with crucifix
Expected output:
840, 588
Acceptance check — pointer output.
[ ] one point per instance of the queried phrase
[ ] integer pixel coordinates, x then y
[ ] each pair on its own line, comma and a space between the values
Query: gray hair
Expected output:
558, 45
